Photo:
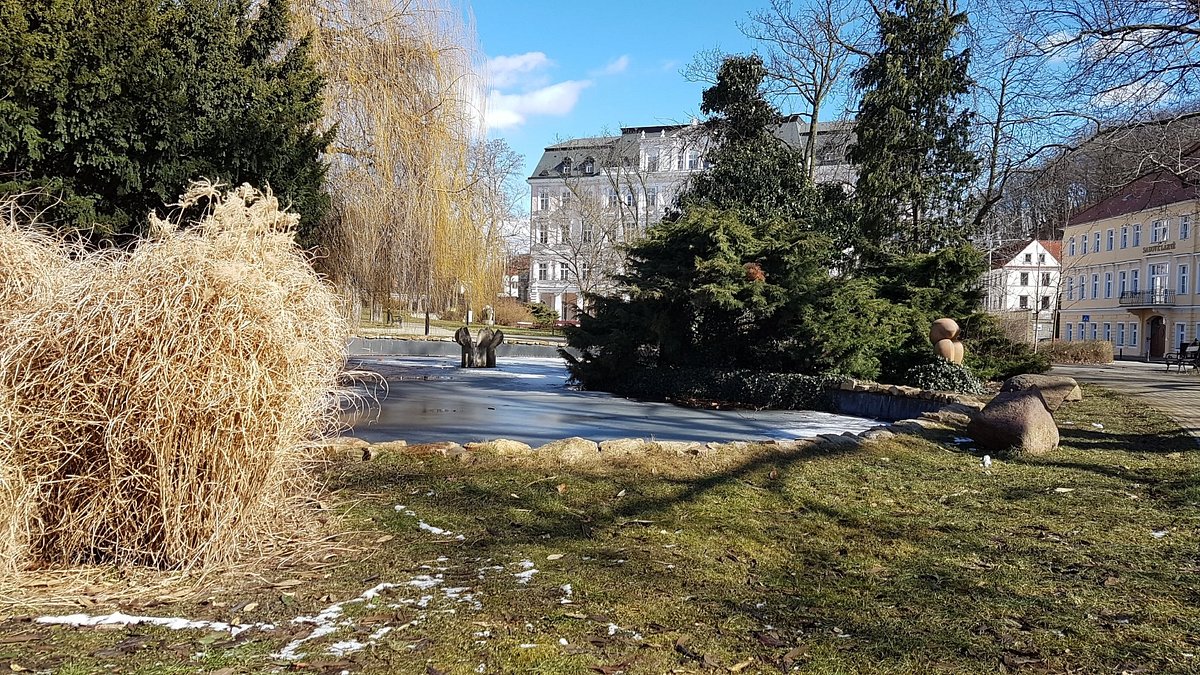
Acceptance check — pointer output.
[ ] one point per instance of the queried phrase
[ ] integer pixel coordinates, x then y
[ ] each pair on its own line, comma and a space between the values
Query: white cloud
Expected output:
617, 65
507, 71
505, 111
1134, 94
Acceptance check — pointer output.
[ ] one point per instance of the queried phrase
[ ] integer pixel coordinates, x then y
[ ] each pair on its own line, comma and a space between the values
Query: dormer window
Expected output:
589, 166
566, 165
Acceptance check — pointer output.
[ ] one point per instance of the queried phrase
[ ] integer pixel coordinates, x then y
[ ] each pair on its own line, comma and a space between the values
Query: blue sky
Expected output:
573, 69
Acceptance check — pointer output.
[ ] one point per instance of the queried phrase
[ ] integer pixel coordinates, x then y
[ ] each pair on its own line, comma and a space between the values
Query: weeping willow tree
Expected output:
404, 91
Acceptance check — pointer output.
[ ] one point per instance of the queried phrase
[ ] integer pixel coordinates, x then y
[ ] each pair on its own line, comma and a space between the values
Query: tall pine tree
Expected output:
914, 163
109, 109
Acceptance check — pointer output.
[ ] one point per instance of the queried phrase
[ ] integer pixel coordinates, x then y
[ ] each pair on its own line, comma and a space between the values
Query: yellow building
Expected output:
1129, 268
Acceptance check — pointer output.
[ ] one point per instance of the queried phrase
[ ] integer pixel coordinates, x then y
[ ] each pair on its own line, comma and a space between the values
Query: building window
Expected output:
1133, 334
565, 200
630, 199
1070, 333
1120, 335
1070, 288
1024, 301
562, 271
1108, 284
1125, 236
585, 270
693, 160
1137, 234
585, 232
1084, 243
613, 199
1071, 246
1045, 302
1095, 332
651, 196
1133, 281
651, 160
1183, 278
1041, 258
543, 272
564, 231
1180, 335
679, 159
1122, 283
589, 166
1185, 227
1095, 286
1045, 278
1082, 335
1160, 231
1024, 279
1096, 248
1108, 332
543, 233
1109, 243
543, 200
1028, 258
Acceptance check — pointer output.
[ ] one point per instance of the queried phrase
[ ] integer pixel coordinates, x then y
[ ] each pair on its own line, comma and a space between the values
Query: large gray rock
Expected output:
1054, 388
1014, 423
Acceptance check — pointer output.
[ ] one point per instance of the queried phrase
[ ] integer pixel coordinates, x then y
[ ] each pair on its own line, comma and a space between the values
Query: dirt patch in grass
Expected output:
904, 556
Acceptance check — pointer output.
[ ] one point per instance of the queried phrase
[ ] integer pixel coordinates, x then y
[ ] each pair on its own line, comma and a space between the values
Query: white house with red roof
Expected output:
1022, 287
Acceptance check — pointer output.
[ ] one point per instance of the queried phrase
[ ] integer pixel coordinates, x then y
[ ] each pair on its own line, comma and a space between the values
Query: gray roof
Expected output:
832, 141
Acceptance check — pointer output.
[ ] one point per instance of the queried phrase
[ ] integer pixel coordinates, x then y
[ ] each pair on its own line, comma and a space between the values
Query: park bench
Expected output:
1188, 357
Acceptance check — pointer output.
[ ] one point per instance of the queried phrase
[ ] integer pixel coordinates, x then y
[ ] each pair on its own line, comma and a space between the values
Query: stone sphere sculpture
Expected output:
944, 336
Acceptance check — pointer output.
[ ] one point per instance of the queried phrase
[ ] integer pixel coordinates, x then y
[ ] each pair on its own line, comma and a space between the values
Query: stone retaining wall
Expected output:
891, 402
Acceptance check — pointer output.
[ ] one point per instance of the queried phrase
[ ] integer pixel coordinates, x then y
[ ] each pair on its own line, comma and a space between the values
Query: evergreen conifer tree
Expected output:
915, 166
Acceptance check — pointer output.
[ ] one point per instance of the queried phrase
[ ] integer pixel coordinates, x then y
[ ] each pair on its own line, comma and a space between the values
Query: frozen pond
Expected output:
430, 399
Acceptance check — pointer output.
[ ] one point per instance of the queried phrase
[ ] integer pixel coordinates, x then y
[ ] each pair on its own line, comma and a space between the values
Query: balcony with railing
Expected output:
1159, 297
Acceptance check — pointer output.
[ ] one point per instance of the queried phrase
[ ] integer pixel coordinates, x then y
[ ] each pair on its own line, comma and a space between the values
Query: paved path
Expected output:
432, 399
1174, 393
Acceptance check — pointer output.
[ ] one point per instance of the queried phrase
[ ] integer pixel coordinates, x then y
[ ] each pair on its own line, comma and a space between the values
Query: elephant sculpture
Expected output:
479, 353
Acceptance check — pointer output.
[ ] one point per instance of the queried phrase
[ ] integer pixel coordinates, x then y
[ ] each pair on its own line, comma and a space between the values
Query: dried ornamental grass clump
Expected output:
160, 399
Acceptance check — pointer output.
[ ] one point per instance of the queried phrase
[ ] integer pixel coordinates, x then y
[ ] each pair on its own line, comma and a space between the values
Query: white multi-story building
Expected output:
589, 196
1022, 288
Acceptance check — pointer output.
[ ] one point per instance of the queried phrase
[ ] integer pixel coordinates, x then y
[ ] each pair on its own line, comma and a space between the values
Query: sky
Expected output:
576, 69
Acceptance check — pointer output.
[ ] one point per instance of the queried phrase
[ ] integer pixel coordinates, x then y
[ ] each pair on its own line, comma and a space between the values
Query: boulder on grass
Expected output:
574, 450
1055, 389
503, 447
1014, 423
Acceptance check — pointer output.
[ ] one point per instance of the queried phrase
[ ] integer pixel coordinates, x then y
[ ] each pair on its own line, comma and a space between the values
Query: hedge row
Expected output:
1091, 351
783, 391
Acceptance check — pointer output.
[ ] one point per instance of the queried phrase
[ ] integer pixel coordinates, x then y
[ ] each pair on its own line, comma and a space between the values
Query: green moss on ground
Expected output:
904, 556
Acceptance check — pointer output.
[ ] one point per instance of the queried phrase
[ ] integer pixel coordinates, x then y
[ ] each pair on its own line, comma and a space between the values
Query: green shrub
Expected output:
544, 315
1089, 351
942, 375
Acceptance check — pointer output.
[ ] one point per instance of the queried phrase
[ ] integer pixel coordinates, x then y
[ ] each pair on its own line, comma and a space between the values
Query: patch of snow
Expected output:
172, 623
529, 645
424, 581
1158, 534
380, 633
346, 647
431, 529
1097, 425
613, 628
563, 642
524, 577
568, 592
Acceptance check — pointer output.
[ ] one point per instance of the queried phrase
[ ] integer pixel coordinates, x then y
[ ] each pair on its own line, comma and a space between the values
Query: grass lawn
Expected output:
904, 556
